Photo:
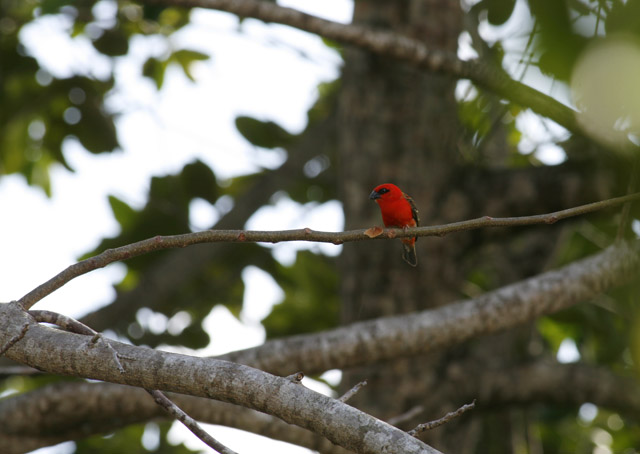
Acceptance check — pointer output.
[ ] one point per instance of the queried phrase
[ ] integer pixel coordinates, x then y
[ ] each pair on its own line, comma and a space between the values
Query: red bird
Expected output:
398, 210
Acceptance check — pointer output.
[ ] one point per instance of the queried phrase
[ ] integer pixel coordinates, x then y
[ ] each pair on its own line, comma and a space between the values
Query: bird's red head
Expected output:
386, 192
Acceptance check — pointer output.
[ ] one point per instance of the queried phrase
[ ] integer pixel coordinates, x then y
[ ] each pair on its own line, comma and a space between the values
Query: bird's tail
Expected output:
409, 253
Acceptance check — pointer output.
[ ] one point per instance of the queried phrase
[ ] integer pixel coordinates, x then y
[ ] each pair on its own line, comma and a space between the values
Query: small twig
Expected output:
445, 419
406, 416
74, 326
248, 236
14, 339
295, 378
188, 421
352, 392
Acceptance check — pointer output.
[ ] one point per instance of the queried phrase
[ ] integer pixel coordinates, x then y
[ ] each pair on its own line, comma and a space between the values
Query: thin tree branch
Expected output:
60, 352
396, 46
445, 419
249, 236
188, 421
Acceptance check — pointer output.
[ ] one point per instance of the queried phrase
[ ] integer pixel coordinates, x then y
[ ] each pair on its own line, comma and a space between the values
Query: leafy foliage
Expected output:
265, 134
41, 111
311, 300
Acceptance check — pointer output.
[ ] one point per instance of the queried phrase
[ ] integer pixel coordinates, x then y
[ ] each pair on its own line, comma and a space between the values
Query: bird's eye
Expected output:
383, 191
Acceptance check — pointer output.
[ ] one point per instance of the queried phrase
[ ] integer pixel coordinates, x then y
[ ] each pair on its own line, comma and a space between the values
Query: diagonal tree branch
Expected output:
74, 326
80, 409
418, 333
65, 353
399, 47
190, 423
242, 236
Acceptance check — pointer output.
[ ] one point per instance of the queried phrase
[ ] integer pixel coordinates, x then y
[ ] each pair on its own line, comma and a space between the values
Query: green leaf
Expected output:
113, 42
499, 11
124, 214
154, 69
311, 300
265, 134
185, 59
199, 181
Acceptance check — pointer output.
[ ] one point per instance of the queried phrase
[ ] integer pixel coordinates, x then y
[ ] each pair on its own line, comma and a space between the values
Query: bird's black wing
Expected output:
414, 209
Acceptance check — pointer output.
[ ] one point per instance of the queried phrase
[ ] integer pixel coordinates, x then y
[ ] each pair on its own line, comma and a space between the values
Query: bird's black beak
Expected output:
374, 195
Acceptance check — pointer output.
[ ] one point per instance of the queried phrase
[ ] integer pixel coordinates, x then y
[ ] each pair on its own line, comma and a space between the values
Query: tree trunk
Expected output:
400, 125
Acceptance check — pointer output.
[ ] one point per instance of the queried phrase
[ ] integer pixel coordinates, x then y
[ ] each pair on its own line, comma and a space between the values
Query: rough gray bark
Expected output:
433, 330
70, 410
59, 352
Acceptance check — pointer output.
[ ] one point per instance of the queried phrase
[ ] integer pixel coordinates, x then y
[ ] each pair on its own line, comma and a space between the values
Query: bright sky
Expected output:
258, 72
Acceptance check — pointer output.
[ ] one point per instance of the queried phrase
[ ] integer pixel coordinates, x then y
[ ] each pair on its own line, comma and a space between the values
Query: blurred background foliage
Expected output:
40, 112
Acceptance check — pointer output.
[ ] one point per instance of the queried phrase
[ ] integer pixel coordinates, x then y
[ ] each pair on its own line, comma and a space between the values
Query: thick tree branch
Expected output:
8, 343
396, 46
418, 333
545, 381
74, 326
65, 353
243, 236
80, 409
